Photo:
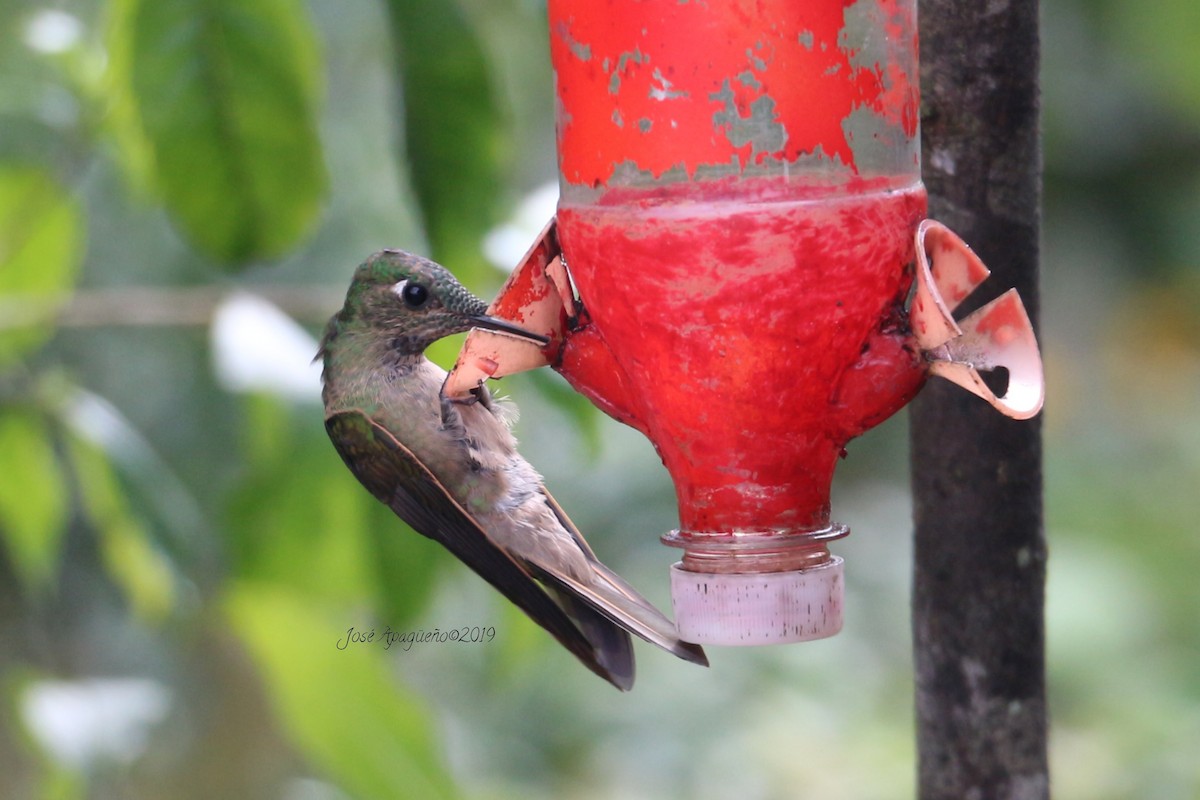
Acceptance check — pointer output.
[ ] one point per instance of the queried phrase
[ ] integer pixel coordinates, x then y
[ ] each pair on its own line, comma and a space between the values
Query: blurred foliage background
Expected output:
185, 188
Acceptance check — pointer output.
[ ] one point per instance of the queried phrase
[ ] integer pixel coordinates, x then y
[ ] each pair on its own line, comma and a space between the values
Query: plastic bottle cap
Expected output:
758, 608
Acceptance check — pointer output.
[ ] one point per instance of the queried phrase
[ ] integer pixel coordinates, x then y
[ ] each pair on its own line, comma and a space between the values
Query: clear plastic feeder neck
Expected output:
757, 588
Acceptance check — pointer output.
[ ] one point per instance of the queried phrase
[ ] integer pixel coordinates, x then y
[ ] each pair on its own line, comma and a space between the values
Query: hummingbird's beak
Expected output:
504, 326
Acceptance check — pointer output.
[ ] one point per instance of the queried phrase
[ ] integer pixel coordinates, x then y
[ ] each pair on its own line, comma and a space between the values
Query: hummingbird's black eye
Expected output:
414, 295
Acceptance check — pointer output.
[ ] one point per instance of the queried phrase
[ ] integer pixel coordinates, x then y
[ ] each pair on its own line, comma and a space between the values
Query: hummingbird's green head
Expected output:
414, 302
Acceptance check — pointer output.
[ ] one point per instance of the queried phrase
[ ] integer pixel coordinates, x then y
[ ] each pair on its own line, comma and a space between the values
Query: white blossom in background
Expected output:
53, 31
258, 348
79, 723
507, 242
99, 422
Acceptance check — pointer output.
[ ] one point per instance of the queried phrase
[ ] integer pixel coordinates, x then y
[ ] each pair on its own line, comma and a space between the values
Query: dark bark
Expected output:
979, 573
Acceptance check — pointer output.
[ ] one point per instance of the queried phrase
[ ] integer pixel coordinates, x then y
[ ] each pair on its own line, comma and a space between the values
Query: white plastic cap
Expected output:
758, 608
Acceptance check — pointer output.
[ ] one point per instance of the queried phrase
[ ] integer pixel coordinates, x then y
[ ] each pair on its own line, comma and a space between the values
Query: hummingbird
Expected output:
451, 470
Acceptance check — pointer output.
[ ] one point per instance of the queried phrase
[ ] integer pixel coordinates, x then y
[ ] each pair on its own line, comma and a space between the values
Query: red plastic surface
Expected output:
661, 84
753, 340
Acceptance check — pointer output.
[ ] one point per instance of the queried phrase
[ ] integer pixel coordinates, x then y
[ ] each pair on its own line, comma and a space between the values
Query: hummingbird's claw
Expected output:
478, 394
447, 409
481, 395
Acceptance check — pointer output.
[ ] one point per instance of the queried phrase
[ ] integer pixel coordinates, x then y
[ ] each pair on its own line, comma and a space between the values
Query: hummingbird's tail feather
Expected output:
610, 596
610, 642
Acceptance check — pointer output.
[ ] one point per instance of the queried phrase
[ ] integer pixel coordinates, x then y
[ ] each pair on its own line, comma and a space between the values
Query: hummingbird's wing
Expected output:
613, 597
400, 481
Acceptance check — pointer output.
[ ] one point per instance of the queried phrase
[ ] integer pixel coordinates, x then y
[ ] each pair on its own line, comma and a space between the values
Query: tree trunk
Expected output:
979, 572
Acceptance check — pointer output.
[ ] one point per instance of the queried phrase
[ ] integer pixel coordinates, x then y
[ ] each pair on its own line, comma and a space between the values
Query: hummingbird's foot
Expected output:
481, 395
477, 394
450, 417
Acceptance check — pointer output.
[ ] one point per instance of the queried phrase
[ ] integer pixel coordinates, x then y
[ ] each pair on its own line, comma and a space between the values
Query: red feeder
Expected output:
741, 224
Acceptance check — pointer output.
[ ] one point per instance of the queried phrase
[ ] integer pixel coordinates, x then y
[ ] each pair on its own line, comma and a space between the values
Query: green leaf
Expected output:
457, 139
141, 570
340, 706
578, 408
291, 521
226, 92
406, 565
121, 123
33, 497
1163, 45
40, 249
300, 519
62, 783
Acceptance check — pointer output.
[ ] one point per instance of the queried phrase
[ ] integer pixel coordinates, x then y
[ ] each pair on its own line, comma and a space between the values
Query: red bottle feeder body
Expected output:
740, 190
753, 271
755, 340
